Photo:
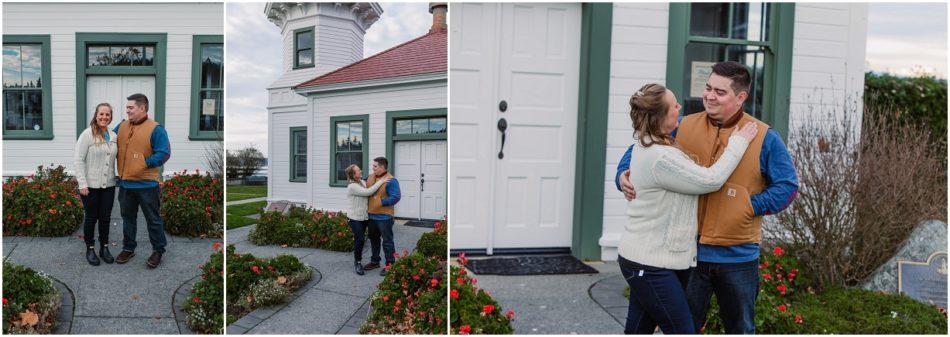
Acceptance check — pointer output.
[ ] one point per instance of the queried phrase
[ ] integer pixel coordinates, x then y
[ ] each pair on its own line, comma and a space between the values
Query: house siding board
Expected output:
281, 120
62, 21
827, 70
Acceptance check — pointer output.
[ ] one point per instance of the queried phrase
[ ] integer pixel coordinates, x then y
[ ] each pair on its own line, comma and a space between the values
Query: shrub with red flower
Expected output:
30, 301
43, 204
303, 227
411, 298
255, 282
205, 309
193, 204
474, 311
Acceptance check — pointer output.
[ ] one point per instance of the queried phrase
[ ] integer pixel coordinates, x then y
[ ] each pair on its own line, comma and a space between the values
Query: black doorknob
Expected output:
503, 106
502, 126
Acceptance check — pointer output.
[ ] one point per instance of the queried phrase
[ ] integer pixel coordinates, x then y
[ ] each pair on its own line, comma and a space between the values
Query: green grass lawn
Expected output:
241, 192
237, 214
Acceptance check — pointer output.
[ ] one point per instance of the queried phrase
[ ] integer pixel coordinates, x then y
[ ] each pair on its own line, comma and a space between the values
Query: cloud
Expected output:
904, 36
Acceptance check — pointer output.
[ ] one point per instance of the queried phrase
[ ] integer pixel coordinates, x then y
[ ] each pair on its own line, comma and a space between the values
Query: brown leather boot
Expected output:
124, 257
154, 260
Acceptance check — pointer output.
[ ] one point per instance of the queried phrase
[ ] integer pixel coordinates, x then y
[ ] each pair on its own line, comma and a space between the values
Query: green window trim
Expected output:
332, 159
158, 69
296, 50
194, 133
47, 132
292, 162
777, 76
391, 137
592, 115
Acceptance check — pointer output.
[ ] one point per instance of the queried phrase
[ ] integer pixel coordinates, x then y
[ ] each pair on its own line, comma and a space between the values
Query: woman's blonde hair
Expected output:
96, 131
351, 174
648, 112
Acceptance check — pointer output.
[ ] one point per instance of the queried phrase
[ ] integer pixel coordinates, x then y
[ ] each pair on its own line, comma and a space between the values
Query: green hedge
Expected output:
30, 301
919, 100
255, 282
474, 311
434, 243
302, 227
44, 204
193, 205
205, 307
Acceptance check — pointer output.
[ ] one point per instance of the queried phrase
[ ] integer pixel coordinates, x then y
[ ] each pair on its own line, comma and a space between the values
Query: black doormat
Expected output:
421, 223
530, 265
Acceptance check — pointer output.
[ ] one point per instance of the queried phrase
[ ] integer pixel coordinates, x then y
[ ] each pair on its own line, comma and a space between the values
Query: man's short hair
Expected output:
382, 161
140, 100
735, 71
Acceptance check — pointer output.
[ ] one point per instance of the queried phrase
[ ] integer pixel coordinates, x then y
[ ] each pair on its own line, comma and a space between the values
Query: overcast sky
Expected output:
902, 36
253, 61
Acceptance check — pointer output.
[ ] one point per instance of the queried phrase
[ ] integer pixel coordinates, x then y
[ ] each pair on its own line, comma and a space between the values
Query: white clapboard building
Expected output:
559, 77
331, 108
60, 60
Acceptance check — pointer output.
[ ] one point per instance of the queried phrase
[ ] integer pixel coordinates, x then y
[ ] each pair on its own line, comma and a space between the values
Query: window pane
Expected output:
305, 40
300, 166
437, 125
709, 19
212, 62
344, 160
210, 115
420, 126
342, 136
305, 57
300, 142
98, 56
749, 21
12, 77
13, 110
356, 136
120, 55
701, 56
403, 127
149, 56
31, 59
33, 109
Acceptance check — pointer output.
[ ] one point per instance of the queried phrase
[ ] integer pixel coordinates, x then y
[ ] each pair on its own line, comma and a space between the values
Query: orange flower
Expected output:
216, 246
53, 211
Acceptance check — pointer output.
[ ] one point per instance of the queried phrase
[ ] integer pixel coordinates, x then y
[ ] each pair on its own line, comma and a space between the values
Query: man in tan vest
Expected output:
142, 149
730, 220
381, 209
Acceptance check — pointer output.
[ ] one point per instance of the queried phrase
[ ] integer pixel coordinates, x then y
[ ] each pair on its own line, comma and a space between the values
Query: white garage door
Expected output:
527, 56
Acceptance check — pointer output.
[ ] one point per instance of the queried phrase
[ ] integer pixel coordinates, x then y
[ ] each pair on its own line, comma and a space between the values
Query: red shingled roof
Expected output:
423, 55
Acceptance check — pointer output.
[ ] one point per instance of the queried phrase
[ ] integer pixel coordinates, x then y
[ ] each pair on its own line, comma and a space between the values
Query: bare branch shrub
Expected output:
862, 192
214, 158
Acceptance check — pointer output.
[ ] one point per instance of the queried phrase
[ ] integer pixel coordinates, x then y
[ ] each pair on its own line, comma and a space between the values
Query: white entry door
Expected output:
114, 90
420, 167
528, 55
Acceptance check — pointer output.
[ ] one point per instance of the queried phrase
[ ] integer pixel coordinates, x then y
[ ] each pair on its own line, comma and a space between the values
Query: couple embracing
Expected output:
698, 187
136, 149
372, 207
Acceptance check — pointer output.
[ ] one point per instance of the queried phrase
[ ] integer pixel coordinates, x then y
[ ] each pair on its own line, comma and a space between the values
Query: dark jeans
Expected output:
385, 228
657, 297
130, 199
359, 238
736, 286
98, 206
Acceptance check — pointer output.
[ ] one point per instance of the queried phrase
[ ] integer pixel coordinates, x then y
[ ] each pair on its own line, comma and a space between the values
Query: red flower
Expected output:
399, 302
53, 211
52, 195
778, 251
434, 283
465, 329
488, 309
767, 277
782, 307
270, 268
798, 319
69, 203
510, 314
781, 289
415, 277
216, 246
454, 294
778, 276
197, 300
385, 298
4, 301
460, 281
256, 269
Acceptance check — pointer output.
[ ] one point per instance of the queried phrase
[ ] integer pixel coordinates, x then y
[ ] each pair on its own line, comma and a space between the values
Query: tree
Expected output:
244, 163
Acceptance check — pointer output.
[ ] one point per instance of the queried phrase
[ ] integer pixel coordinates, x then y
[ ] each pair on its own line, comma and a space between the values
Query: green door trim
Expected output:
391, 138
592, 112
778, 77
156, 104
47, 89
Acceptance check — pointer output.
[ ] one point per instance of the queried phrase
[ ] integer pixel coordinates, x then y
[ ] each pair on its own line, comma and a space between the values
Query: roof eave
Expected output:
365, 84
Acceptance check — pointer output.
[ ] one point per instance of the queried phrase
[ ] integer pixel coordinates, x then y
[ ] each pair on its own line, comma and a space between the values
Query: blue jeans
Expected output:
385, 228
736, 286
130, 199
359, 238
657, 297
98, 208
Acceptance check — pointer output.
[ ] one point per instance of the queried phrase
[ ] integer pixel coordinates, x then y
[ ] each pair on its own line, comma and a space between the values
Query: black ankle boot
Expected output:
105, 255
91, 256
359, 268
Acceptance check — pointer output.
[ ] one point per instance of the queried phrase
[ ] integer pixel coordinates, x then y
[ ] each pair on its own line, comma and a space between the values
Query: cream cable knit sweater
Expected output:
94, 161
358, 199
661, 231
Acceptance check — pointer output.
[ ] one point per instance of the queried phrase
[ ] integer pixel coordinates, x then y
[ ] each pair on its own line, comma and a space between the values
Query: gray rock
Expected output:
929, 237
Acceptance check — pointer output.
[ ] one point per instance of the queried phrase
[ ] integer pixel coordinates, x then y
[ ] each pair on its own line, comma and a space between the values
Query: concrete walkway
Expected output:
245, 201
554, 304
336, 304
115, 298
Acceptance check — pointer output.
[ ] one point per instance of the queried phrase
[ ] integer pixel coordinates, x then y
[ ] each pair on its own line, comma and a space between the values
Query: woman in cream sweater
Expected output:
358, 193
95, 172
659, 242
